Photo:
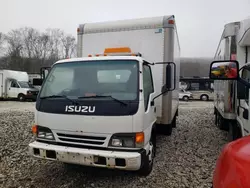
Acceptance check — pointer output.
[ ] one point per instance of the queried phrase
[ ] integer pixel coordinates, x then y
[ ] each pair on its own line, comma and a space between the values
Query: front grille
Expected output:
34, 92
81, 139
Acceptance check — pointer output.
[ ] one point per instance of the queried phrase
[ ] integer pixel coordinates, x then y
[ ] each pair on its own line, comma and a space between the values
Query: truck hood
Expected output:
85, 124
32, 89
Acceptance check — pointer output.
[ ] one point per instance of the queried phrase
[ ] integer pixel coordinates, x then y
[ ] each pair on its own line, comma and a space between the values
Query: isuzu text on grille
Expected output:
72, 108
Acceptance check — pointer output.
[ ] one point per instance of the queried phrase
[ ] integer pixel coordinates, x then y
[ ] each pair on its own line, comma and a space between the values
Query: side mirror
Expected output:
170, 76
37, 81
44, 72
224, 70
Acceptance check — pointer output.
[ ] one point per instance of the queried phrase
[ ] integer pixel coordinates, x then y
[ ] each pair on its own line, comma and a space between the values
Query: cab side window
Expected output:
246, 77
148, 86
14, 84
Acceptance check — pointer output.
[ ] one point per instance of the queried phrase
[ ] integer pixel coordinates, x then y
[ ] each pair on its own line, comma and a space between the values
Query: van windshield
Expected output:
25, 84
116, 78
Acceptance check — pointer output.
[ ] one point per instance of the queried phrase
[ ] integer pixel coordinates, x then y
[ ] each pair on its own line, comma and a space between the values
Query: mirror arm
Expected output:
159, 95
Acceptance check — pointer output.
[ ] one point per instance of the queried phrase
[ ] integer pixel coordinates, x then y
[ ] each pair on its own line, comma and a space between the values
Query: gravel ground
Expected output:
186, 159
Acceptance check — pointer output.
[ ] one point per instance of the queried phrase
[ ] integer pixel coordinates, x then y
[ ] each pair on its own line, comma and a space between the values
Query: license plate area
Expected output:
74, 158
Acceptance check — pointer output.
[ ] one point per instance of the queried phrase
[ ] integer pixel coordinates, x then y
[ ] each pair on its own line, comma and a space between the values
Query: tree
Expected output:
54, 43
30, 38
69, 44
1, 40
14, 42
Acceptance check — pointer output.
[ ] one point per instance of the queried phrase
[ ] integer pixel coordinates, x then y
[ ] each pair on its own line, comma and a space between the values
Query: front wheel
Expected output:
204, 98
21, 97
148, 162
185, 98
234, 132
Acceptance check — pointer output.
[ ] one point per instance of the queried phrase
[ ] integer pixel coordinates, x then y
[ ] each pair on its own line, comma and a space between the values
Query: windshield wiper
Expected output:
60, 96
103, 96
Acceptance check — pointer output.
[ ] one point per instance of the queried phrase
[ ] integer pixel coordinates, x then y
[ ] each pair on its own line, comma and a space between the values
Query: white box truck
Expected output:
231, 100
101, 109
15, 84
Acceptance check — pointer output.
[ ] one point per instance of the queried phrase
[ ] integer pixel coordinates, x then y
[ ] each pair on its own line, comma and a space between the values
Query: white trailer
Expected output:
101, 109
232, 107
15, 84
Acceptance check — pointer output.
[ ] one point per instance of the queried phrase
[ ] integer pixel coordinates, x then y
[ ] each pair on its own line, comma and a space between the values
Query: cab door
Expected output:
148, 90
13, 89
243, 110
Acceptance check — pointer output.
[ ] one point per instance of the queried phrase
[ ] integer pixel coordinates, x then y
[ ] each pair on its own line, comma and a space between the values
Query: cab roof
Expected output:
140, 59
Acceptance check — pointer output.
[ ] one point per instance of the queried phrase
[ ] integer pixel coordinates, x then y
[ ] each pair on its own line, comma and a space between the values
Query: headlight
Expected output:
28, 92
128, 140
42, 132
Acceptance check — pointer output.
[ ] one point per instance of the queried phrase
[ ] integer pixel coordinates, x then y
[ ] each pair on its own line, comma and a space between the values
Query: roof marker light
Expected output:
170, 21
117, 50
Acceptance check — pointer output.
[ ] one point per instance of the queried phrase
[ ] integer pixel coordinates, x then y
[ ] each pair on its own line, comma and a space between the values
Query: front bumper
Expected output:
31, 96
88, 157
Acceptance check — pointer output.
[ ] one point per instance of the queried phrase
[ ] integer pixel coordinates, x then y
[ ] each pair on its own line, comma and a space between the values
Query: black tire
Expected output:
21, 97
174, 122
204, 97
234, 131
221, 123
147, 167
216, 119
185, 98
166, 129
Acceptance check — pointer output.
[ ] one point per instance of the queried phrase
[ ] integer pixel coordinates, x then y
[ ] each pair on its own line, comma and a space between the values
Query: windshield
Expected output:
25, 84
116, 78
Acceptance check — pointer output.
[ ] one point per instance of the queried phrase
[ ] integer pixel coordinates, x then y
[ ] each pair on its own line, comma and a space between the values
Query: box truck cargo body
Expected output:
155, 39
15, 84
101, 109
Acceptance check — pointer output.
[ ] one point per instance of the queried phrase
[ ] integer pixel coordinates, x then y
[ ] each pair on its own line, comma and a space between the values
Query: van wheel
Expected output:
234, 132
204, 98
148, 162
185, 98
20, 97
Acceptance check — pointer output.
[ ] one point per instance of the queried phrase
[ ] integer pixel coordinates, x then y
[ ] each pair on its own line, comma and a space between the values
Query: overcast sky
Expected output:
199, 22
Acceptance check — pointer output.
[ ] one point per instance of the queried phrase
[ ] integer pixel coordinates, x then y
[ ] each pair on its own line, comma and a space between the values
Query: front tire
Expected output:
148, 162
204, 98
21, 97
234, 132
185, 98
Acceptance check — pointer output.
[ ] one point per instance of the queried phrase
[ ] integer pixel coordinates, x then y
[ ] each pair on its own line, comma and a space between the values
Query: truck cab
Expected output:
241, 127
99, 111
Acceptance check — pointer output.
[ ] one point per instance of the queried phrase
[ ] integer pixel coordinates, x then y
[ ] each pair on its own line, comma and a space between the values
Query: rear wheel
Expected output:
216, 118
204, 98
174, 122
166, 129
